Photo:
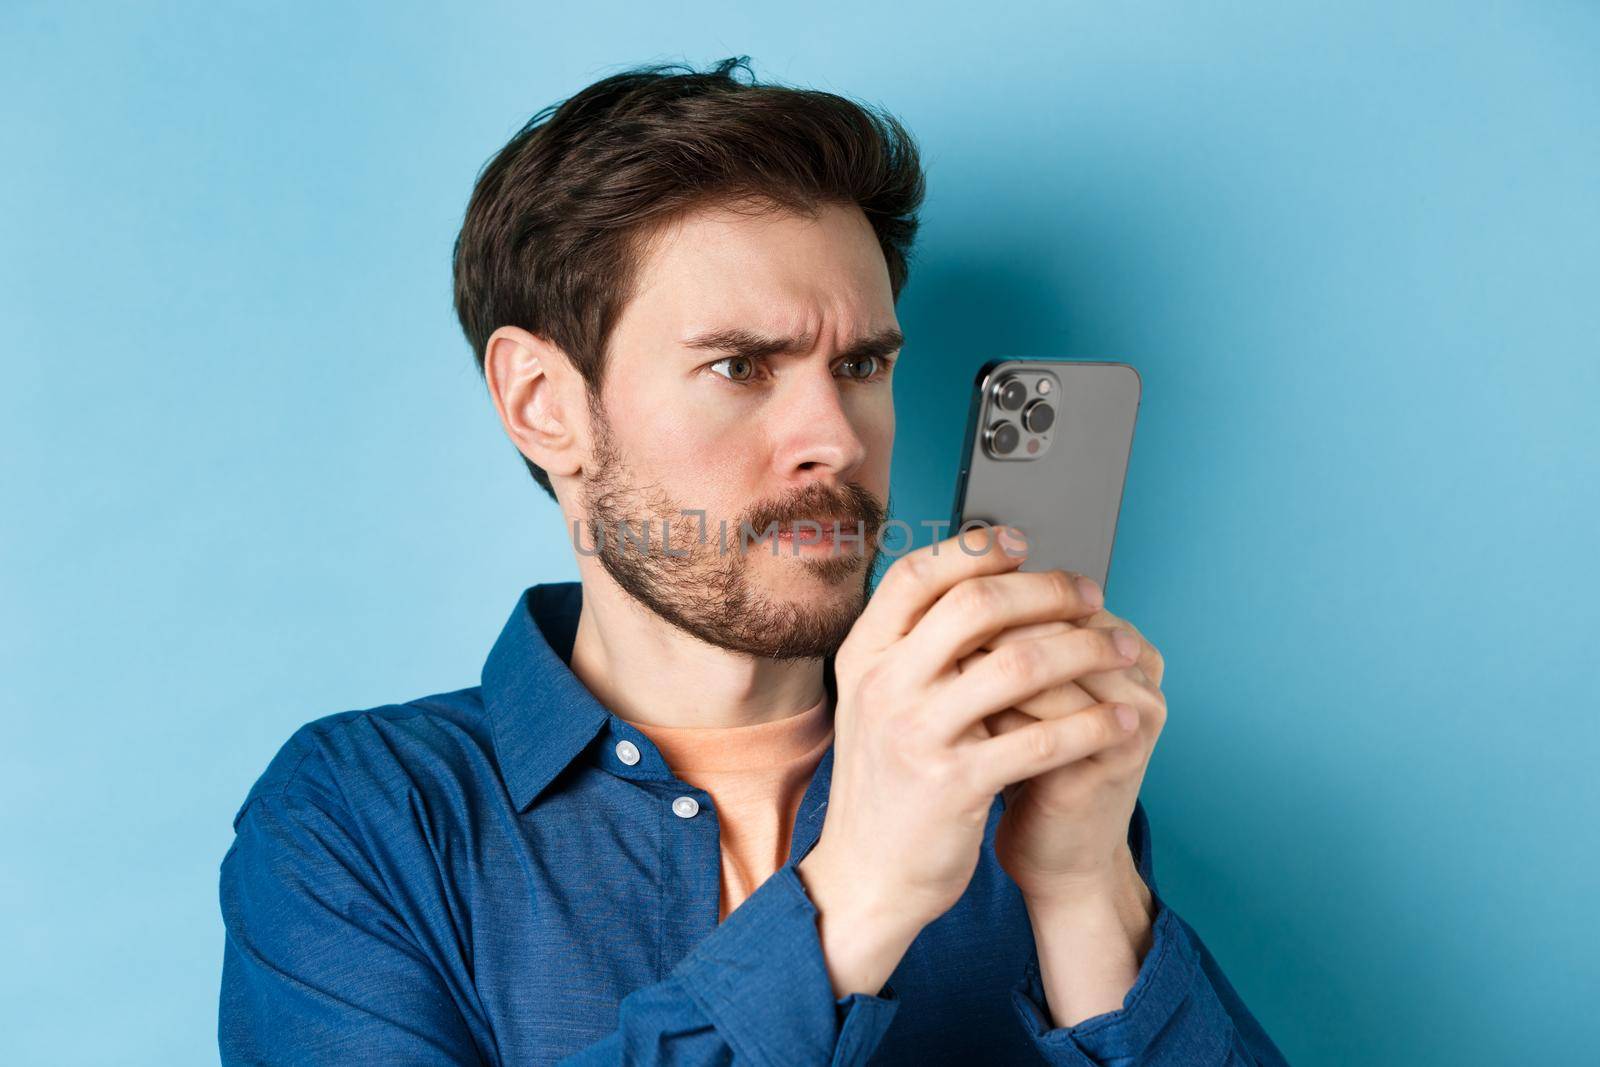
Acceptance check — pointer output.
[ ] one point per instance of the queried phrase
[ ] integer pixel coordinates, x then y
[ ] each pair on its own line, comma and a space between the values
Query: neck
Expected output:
647, 670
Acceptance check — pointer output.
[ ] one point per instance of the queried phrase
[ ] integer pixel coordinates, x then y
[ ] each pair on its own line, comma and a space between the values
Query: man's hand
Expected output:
1063, 837
915, 767
1065, 831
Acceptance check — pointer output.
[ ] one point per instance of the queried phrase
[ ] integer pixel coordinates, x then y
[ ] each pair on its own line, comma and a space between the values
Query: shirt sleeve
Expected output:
317, 969
1181, 1008
756, 990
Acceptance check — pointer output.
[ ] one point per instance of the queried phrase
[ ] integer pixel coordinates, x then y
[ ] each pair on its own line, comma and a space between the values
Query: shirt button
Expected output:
628, 752
685, 807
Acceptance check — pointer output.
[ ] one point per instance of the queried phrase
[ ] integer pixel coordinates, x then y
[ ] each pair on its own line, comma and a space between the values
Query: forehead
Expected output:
720, 266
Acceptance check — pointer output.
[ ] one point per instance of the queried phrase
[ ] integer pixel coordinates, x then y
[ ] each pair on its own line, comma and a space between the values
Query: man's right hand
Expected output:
915, 771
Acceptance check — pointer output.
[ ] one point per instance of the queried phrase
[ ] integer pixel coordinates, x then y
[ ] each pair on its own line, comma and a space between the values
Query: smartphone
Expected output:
1046, 451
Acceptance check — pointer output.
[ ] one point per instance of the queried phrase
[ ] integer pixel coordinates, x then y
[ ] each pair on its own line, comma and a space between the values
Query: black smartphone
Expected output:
1046, 451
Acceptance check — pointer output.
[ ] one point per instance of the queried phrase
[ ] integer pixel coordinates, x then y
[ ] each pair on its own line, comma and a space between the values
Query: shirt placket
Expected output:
689, 893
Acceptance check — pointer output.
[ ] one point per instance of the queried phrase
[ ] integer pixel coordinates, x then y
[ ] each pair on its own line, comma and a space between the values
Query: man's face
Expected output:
692, 421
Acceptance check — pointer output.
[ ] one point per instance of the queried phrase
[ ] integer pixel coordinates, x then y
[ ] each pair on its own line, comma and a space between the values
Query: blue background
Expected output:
251, 477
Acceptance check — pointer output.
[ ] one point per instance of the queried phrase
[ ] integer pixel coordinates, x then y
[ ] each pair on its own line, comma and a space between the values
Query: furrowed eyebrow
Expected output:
752, 345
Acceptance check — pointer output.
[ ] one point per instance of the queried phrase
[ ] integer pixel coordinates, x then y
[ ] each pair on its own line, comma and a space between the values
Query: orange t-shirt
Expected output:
756, 775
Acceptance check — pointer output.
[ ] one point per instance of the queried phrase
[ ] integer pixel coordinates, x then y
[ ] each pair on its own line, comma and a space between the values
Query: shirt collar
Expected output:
541, 714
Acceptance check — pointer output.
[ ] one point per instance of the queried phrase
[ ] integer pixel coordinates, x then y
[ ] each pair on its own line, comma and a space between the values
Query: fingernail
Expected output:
1127, 717
1089, 591
1012, 541
1126, 643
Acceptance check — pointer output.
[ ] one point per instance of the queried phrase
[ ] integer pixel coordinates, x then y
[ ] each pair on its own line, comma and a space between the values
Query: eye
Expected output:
876, 366
743, 368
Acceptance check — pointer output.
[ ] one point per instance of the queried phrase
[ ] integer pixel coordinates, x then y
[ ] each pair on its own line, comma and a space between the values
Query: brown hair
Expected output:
558, 217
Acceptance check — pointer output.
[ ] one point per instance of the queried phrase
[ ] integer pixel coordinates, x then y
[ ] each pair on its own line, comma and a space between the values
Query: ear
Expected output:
540, 398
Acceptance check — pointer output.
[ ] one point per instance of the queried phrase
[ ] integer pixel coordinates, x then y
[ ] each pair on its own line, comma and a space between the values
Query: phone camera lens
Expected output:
1010, 394
1039, 417
1004, 438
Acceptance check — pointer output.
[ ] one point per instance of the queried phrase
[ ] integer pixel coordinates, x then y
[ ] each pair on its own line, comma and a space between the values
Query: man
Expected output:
681, 290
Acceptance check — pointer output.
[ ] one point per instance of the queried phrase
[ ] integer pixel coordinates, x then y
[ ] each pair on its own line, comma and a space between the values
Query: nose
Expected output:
817, 439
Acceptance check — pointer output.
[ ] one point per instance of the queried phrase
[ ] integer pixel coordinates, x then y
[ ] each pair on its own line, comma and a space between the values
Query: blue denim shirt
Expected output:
476, 877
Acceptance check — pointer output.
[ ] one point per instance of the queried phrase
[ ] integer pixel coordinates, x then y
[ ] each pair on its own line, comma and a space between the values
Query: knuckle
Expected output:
913, 569
1063, 587
921, 564
974, 599
1017, 662
1092, 644
922, 567
1043, 742
1107, 731
964, 777
900, 573
945, 773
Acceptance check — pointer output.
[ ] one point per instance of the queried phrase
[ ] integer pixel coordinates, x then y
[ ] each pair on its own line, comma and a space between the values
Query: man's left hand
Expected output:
1063, 835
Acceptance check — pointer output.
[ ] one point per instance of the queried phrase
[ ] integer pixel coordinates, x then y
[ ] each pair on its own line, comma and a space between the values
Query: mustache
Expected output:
852, 507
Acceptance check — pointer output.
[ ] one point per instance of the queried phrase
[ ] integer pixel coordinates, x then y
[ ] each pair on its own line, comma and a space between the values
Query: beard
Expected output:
706, 586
